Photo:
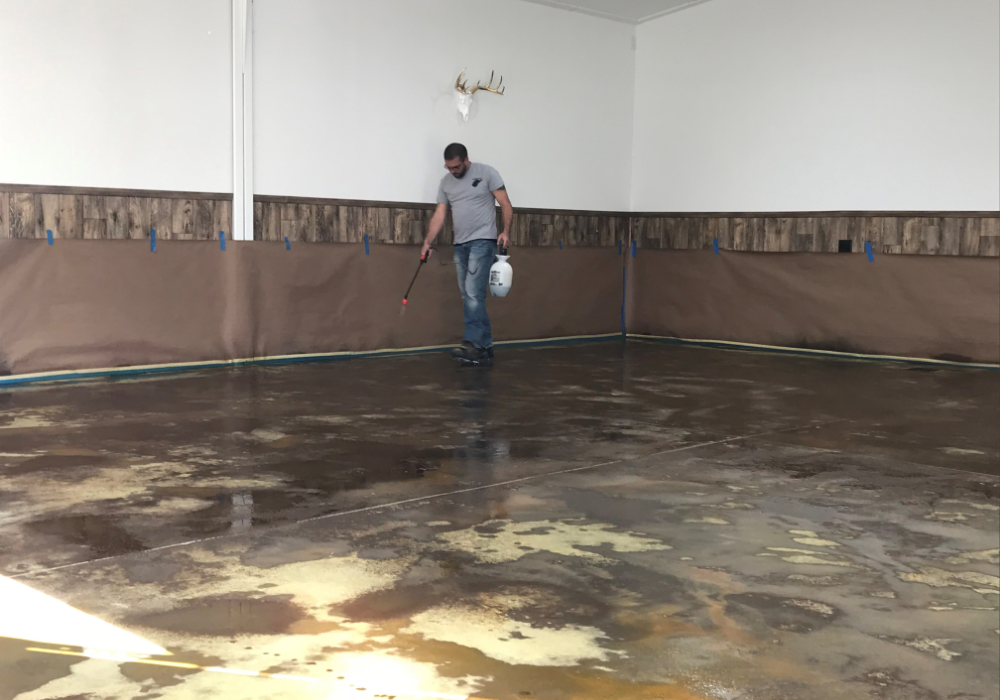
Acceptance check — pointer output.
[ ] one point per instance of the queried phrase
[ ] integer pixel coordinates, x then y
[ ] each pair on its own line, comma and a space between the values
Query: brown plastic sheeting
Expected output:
89, 304
914, 306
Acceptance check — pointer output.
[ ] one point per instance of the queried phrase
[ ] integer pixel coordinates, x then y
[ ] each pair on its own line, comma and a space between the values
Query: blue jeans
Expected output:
473, 260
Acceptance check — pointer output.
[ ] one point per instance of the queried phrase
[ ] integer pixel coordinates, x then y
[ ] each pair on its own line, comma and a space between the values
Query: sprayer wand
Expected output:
423, 260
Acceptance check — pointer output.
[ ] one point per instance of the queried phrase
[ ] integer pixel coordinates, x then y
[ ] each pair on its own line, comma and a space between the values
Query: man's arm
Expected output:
434, 228
508, 215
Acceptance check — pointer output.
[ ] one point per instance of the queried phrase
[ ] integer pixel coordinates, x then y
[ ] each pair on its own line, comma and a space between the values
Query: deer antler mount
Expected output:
465, 94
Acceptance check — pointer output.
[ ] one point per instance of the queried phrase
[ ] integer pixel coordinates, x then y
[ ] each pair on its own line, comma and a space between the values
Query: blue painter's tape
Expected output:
619, 247
48, 233
222, 240
366, 244
715, 245
152, 240
560, 245
624, 333
288, 244
635, 246
871, 253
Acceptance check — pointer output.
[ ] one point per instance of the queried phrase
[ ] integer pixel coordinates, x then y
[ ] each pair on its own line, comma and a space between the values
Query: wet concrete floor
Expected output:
649, 522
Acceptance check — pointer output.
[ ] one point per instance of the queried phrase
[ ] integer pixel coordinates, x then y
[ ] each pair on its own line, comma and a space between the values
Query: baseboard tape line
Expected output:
177, 367
735, 345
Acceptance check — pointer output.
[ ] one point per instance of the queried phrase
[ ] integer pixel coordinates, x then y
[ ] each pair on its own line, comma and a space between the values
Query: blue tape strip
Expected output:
619, 247
48, 233
152, 240
560, 245
222, 240
624, 333
871, 253
715, 245
635, 246
366, 244
288, 244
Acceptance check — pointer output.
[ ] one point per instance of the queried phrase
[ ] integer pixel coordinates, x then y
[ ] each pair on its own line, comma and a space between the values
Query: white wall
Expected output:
116, 93
742, 106
813, 105
356, 100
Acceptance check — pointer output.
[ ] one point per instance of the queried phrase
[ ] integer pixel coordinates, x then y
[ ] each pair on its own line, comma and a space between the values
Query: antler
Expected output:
488, 88
462, 87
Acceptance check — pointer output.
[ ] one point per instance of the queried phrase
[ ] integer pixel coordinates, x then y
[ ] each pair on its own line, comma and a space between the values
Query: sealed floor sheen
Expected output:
580, 522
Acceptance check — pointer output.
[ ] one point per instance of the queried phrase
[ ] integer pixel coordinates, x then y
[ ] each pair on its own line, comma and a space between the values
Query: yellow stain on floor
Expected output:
513, 540
601, 688
939, 578
708, 521
811, 539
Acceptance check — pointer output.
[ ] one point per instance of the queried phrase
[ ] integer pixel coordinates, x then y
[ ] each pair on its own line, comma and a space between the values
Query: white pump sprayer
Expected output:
501, 275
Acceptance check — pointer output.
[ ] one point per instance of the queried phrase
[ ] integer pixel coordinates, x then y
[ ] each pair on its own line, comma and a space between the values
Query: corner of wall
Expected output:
631, 155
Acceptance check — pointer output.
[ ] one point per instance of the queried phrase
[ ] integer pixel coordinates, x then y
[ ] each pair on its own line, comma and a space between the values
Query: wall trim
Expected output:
114, 192
931, 214
325, 201
376, 203
812, 214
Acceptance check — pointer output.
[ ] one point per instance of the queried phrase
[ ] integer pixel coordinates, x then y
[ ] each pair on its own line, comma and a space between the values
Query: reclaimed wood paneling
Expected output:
95, 229
989, 246
5, 215
138, 217
918, 233
22, 215
223, 219
101, 214
182, 225
203, 221
27, 211
47, 216
116, 210
924, 233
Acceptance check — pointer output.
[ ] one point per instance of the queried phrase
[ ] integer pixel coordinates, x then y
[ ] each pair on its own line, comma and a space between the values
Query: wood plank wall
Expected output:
892, 233
28, 211
347, 221
913, 233
104, 214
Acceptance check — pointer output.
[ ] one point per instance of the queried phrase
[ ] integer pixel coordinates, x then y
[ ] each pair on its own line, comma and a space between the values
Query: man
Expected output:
472, 190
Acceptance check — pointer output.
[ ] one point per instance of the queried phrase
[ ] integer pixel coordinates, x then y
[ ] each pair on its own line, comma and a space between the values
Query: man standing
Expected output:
472, 190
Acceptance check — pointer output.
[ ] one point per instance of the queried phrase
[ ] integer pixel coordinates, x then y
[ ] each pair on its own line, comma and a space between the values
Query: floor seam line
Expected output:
432, 497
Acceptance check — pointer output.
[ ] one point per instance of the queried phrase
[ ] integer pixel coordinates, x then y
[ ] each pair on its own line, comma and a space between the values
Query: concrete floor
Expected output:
594, 522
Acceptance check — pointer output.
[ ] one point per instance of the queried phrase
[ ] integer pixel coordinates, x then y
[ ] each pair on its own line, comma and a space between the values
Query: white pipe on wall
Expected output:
242, 120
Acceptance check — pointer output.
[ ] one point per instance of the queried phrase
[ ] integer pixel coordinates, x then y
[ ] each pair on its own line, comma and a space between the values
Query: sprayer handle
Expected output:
503, 250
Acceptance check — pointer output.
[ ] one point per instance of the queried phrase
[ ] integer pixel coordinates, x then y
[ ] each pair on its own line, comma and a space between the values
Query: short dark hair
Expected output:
456, 150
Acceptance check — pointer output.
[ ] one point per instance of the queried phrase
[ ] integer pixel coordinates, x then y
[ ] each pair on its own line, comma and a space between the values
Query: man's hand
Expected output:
437, 221
508, 215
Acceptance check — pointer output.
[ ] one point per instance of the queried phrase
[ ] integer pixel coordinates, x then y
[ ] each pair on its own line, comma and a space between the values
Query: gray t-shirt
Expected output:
473, 206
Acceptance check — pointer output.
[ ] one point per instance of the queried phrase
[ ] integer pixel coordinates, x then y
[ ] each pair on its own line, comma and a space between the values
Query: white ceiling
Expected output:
631, 11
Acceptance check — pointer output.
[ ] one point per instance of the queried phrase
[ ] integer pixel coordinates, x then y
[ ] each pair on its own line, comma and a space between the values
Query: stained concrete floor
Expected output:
653, 522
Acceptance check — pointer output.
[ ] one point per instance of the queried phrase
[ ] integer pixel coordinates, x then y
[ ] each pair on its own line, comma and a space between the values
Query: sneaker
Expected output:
467, 351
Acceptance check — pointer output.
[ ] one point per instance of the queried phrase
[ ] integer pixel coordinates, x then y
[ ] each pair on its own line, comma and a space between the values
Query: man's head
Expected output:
456, 160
